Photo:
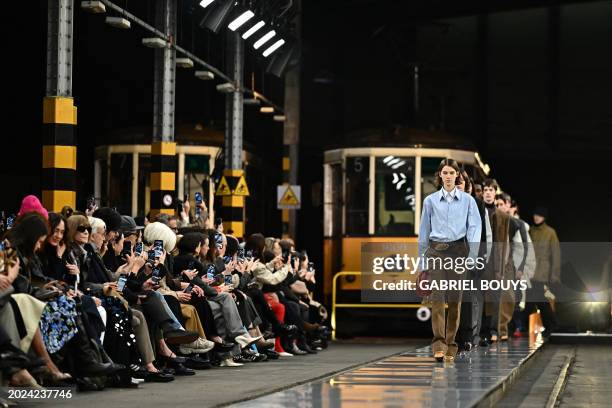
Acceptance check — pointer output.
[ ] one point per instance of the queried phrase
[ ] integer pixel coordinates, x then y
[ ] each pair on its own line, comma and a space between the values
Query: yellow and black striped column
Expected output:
233, 205
163, 177
59, 156
286, 171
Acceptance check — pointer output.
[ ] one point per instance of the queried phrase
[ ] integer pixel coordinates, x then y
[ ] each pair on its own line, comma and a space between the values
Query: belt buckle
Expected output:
441, 246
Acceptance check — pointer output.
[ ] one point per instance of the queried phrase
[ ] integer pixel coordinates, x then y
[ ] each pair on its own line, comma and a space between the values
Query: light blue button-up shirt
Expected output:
450, 216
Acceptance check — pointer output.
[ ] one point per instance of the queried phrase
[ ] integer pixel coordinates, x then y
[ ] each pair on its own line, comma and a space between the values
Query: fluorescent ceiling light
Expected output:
264, 39
184, 62
279, 118
274, 47
118, 22
240, 20
266, 109
204, 75
93, 6
226, 87
253, 29
154, 42
206, 3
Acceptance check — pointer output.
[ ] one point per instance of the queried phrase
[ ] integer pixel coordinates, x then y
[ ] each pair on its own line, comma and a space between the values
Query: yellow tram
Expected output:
373, 192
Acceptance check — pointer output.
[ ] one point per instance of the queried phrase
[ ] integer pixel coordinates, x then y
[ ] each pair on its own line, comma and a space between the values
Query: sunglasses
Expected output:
83, 228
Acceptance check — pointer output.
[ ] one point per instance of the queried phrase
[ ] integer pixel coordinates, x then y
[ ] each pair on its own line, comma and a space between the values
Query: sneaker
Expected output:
297, 351
228, 362
285, 354
199, 345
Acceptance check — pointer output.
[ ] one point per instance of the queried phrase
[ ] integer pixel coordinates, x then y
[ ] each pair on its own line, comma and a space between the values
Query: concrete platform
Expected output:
414, 379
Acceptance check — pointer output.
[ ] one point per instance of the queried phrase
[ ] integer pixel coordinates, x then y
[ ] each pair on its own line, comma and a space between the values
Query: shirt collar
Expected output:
454, 193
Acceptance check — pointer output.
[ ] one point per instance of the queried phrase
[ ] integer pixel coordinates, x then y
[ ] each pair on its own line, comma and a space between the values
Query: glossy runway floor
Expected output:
411, 379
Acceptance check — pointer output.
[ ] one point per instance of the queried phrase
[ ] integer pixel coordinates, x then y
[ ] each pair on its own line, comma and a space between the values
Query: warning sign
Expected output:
288, 197
241, 188
223, 189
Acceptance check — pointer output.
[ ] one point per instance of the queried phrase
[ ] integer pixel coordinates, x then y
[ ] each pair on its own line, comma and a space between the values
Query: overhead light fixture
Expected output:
118, 22
93, 7
154, 42
274, 47
204, 75
227, 87
266, 109
184, 62
217, 15
240, 20
253, 29
205, 3
266, 37
279, 118
251, 101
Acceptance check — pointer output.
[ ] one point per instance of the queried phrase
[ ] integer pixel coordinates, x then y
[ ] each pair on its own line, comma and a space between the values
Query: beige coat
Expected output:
548, 253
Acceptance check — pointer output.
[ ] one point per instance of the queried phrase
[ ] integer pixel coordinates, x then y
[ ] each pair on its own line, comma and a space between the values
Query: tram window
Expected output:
357, 188
394, 198
429, 167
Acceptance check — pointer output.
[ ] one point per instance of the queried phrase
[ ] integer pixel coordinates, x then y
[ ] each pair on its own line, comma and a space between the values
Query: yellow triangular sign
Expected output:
241, 188
223, 189
289, 197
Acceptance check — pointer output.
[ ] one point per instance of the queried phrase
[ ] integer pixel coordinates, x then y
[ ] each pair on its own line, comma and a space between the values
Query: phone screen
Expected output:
139, 248
189, 288
10, 220
198, 200
158, 247
228, 279
121, 283
156, 275
210, 271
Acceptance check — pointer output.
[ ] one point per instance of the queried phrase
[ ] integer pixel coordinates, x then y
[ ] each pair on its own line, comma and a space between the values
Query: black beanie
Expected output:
541, 211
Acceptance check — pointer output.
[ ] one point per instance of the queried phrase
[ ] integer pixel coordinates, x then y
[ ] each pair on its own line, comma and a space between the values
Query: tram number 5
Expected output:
358, 165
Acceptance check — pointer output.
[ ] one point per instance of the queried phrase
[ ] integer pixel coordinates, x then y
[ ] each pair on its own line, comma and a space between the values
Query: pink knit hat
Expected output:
31, 203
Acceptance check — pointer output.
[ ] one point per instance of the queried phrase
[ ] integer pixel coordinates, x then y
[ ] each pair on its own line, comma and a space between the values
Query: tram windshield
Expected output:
394, 196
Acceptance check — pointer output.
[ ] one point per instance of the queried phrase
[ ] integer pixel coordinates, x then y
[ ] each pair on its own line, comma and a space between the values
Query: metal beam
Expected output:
59, 47
234, 103
164, 75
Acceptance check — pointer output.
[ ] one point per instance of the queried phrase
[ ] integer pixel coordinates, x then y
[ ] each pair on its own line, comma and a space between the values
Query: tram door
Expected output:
333, 203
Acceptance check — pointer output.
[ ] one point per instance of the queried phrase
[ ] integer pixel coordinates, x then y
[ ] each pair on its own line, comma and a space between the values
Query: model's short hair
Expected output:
504, 196
490, 183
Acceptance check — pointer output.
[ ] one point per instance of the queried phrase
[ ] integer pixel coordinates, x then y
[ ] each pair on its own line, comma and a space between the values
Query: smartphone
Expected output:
191, 265
158, 248
285, 256
249, 253
156, 275
127, 249
240, 255
121, 283
189, 288
10, 220
210, 271
227, 259
198, 201
1, 246
310, 267
151, 257
227, 279
139, 248
179, 206
91, 203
